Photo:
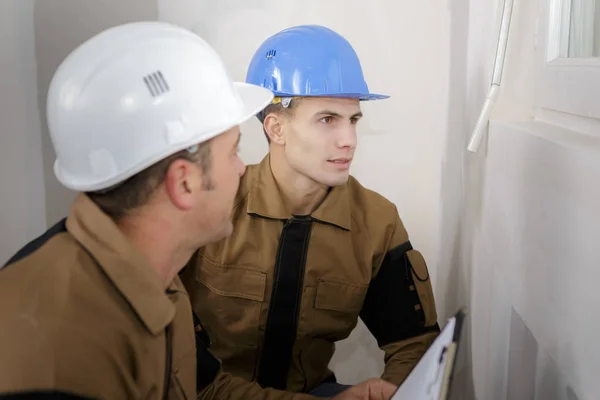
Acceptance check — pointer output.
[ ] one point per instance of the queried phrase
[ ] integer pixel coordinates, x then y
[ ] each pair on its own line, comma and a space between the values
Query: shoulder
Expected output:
58, 286
55, 267
375, 218
247, 182
44, 265
55, 297
369, 207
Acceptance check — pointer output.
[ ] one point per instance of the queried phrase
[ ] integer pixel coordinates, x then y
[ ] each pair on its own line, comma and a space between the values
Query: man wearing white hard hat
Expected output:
145, 121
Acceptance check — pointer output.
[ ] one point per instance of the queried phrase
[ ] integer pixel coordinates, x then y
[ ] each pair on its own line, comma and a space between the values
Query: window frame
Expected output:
564, 84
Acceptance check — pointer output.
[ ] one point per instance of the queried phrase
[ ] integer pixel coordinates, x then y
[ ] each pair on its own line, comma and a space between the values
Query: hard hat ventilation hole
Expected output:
156, 83
271, 54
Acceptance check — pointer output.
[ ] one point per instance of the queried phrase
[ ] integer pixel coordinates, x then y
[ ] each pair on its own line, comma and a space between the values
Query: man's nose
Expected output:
347, 137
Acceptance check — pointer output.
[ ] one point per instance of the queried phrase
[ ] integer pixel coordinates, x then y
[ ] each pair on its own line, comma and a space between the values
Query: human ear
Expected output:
182, 180
273, 126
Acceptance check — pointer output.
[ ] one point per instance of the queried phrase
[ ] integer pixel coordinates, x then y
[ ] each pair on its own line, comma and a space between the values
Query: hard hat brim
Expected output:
359, 96
255, 99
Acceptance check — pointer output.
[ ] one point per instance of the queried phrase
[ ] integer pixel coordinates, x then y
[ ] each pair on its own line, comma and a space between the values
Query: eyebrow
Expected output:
335, 114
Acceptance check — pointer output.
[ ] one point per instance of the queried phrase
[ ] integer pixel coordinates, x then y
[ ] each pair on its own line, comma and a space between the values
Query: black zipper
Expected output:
168, 361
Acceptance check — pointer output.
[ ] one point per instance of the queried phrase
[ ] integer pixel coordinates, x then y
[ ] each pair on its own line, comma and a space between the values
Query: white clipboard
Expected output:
432, 376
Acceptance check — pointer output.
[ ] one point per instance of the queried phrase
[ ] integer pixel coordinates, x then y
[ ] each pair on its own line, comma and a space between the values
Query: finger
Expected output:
382, 390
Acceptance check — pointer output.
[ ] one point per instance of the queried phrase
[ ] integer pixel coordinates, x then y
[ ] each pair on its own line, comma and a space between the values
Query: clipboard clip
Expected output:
438, 375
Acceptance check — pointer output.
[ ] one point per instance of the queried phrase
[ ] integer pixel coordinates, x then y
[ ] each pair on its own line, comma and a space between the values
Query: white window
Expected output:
568, 50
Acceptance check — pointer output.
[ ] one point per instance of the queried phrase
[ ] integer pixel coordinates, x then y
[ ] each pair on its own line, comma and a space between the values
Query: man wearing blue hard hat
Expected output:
312, 250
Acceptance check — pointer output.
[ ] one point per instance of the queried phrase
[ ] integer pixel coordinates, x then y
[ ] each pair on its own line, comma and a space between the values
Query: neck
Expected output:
301, 194
155, 239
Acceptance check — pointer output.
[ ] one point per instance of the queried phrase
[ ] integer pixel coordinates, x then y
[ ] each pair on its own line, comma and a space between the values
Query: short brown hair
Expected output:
276, 108
139, 189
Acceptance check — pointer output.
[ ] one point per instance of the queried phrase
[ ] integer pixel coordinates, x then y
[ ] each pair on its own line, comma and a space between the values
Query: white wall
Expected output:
403, 48
22, 215
470, 53
538, 240
531, 219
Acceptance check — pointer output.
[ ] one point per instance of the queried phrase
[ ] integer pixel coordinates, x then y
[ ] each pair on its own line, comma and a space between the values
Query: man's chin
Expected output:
221, 232
227, 228
337, 181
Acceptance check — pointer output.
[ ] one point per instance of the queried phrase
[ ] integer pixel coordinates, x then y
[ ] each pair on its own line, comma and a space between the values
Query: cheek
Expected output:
308, 142
233, 176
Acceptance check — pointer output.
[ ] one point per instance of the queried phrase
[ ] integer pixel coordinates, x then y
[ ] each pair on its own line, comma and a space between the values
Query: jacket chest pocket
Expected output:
336, 308
228, 301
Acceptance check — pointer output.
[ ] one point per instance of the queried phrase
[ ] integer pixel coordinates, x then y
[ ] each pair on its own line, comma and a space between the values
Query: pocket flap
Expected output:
233, 282
340, 296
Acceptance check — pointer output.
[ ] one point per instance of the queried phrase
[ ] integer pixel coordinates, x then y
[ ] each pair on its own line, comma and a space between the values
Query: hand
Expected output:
373, 389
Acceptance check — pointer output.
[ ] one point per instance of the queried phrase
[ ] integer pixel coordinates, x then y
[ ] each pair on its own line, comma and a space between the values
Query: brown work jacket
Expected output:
83, 314
277, 294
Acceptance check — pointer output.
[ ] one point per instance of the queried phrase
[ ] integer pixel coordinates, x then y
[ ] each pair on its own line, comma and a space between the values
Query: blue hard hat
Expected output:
309, 60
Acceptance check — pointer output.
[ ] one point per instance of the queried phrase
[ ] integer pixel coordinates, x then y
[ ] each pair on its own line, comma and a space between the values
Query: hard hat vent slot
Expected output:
271, 54
156, 83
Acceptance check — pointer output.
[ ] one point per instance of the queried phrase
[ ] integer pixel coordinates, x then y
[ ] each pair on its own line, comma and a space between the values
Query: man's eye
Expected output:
326, 120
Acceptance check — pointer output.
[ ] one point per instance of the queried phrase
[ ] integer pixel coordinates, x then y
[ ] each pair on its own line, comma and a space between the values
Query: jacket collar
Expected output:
137, 281
264, 200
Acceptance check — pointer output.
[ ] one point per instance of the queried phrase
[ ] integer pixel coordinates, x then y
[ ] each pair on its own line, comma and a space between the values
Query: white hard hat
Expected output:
135, 94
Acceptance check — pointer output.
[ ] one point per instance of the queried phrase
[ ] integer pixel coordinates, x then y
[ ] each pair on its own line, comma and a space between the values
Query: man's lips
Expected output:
340, 160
